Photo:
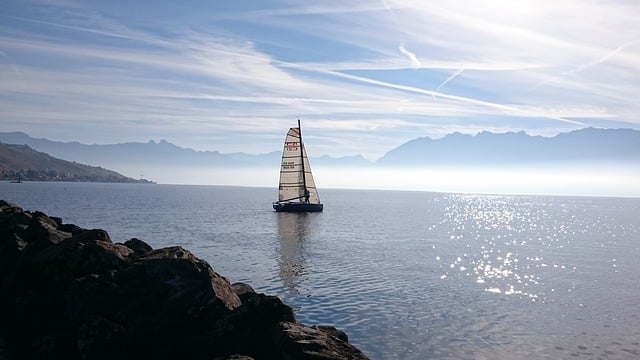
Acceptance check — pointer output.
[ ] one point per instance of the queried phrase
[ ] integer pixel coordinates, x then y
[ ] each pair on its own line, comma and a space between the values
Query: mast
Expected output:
304, 180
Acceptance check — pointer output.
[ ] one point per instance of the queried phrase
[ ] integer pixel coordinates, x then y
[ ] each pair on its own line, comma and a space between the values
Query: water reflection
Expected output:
294, 231
508, 244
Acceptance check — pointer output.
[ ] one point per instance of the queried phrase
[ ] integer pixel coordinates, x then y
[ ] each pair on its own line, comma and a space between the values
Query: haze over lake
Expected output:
600, 180
587, 162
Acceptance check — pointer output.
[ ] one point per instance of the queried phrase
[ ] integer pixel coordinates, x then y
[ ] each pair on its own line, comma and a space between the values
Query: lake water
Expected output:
408, 275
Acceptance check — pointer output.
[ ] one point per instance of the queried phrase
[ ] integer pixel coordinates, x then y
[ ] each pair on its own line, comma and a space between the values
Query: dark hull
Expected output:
297, 207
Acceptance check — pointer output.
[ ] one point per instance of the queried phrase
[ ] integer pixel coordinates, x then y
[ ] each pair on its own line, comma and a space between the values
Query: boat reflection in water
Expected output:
294, 232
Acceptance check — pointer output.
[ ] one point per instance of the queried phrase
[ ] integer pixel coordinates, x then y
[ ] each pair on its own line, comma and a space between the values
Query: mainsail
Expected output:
296, 180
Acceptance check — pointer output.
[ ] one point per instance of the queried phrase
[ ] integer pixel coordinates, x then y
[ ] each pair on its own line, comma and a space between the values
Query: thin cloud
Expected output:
504, 108
342, 69
412, 57
591, 64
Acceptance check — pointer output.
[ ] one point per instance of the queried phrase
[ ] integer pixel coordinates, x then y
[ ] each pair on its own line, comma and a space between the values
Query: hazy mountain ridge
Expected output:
24, 163
485, 148
156, 153
160, 153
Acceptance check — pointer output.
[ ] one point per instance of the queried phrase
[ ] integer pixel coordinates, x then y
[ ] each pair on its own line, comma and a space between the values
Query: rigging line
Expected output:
304, 180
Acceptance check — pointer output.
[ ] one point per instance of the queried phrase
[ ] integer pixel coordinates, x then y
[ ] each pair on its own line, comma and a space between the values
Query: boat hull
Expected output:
296, 207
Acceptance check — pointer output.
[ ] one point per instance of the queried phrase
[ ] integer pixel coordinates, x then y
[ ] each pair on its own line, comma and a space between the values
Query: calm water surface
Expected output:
408, 275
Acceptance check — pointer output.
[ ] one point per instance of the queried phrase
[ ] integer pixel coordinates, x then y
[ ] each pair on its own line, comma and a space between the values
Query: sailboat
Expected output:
296, 191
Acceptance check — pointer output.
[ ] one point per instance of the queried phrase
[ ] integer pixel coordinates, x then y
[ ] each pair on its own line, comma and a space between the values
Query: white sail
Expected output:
311, 184
292, 179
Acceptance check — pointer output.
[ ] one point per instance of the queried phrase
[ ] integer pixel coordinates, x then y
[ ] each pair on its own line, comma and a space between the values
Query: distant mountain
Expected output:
154, 153
159, 153
24, 163
485, 148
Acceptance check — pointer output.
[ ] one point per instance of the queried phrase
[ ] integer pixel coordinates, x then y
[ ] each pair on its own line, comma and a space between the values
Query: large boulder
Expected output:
297, 341
68, 292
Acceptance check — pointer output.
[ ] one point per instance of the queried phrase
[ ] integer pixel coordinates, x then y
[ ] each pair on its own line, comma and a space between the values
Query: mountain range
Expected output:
485, 148
159, 153
20, 162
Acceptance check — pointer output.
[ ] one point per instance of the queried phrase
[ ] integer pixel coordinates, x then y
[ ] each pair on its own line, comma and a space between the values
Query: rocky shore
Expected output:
71, 293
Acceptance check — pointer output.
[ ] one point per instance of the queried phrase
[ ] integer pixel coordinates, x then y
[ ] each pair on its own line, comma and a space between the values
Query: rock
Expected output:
4, 355
235, 357
68, 292
43, 229
332, 331
244, 291
140, 247
248, 329
297, 341
91, 235
12, 221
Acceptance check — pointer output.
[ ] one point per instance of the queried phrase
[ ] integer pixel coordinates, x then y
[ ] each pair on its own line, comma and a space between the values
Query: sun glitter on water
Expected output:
503, 246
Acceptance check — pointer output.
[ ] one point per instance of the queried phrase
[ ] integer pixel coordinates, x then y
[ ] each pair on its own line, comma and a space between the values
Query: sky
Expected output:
363, 76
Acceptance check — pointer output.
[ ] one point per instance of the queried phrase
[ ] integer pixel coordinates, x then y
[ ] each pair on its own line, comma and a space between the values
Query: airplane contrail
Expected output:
450, 78
590, 64
510, 109
458, 72
603, 58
